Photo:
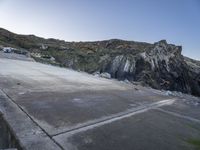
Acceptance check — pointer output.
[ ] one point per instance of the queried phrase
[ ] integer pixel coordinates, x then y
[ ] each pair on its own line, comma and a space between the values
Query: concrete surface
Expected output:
3, 136
57, 108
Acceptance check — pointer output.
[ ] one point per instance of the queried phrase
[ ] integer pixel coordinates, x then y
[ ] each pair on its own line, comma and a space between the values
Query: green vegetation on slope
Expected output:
195, 142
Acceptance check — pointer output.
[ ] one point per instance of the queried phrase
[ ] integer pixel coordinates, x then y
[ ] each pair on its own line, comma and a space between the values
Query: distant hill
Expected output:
159, 65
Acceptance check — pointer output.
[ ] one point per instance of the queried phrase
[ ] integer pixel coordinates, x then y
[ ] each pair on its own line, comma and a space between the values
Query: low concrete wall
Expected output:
7, 138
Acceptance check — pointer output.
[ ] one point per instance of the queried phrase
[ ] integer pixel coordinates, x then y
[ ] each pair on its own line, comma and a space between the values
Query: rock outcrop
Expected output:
159, 65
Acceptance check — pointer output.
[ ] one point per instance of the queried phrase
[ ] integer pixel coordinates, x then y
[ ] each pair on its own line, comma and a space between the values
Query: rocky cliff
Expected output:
159, 65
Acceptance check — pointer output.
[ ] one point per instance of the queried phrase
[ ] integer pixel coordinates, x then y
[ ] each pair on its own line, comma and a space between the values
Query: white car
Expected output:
7, 49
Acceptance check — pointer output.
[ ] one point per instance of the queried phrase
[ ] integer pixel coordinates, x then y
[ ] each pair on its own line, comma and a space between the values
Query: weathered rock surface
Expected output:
159, 65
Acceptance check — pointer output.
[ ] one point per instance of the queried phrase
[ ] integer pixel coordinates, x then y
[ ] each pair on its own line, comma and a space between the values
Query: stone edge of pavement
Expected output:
26, 132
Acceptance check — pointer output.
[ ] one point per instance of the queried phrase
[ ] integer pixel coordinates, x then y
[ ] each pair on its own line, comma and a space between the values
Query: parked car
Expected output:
7, 49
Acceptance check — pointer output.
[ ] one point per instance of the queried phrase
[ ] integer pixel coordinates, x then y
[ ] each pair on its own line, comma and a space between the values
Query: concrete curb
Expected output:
28, 134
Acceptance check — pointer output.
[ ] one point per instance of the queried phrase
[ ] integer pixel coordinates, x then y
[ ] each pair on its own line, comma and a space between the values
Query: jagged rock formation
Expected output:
159, 65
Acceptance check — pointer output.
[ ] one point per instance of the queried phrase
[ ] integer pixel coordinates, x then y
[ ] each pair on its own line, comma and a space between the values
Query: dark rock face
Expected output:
159, 65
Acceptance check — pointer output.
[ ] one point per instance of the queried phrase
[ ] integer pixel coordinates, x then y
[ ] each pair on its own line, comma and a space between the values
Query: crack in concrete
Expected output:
134, 111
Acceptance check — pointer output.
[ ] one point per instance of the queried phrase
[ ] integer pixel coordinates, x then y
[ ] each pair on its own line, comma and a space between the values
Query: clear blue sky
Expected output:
177, 21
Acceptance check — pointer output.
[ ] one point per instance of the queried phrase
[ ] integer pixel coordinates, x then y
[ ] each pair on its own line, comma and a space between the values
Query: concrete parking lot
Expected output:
56, 108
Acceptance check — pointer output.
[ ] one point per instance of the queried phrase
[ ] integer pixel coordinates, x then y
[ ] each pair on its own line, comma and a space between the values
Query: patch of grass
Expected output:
194, 126
195, 142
